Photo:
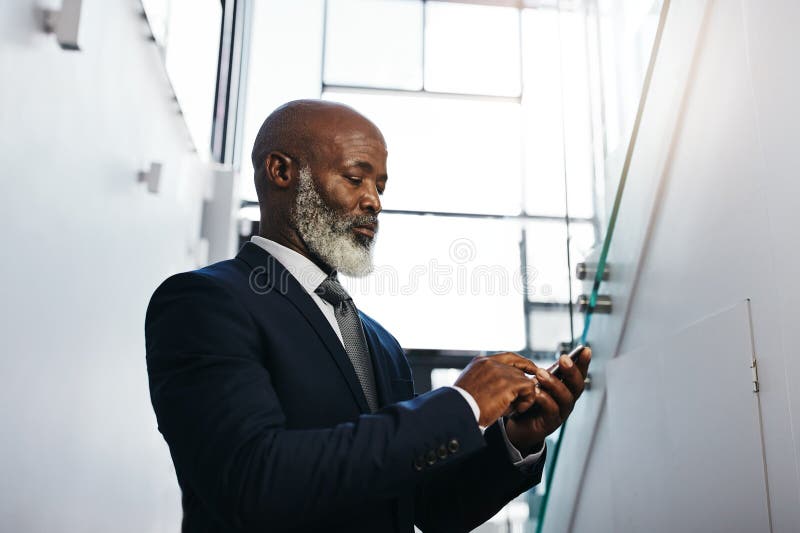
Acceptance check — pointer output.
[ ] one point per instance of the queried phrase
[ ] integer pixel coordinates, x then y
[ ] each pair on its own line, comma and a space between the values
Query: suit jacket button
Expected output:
442, 451
430, 458
453, 445
418, 463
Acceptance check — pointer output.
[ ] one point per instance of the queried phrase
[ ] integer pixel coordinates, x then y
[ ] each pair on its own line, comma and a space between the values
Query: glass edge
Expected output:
601, 264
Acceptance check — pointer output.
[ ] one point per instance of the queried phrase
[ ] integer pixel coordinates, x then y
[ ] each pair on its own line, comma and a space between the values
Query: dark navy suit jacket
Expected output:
269, 429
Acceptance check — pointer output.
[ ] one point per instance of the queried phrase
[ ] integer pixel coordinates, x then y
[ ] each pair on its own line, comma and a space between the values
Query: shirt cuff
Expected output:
523, 463
476, 410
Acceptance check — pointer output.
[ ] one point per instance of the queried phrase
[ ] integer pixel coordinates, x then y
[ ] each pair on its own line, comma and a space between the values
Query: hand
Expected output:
554, 403
499, 384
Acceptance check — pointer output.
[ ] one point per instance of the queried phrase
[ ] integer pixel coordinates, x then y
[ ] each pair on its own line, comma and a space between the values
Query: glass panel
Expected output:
192, 53
472, 49
446, 283
374, 43
541, 108
558, 119
578, 142
548, 279
583, 244
548, 328
300, 65
626, 32
548, 271
632, 37
455, 155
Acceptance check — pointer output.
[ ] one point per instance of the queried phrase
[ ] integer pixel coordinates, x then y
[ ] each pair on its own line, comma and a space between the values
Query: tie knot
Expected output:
332, 291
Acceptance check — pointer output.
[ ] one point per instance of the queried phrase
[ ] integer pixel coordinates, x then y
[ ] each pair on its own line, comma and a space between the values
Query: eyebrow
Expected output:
365, 165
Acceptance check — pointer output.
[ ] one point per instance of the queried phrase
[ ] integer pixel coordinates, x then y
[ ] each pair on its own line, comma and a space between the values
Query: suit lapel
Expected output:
268, 275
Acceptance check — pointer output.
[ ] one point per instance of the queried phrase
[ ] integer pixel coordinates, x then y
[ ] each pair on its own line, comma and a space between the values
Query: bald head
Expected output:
304, 130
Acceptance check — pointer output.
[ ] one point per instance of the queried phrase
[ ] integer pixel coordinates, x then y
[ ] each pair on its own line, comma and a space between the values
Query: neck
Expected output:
289, 238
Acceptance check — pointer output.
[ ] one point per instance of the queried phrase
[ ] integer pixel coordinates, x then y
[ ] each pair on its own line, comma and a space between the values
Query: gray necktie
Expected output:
355, 344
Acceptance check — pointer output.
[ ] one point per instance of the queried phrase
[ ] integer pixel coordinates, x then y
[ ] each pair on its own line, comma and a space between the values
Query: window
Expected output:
188, 33
448, 283
488, 121
472, 49
290, 52
458, 155
374, 44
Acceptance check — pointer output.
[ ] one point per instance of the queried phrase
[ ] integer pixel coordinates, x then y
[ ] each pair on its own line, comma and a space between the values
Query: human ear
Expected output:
279, 169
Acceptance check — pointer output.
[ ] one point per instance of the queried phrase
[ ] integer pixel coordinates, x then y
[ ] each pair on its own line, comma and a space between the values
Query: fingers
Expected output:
558, 391
524, 392
499, 382
526, 398
555, 399
520, 407
549, 410
515, 360
524, 388
583, 361
571, 375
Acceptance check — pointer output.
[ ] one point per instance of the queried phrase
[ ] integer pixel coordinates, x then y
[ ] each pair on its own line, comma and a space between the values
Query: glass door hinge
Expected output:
754, 368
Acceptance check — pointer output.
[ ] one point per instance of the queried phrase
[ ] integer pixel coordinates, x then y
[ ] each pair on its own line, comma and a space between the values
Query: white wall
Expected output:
84, 246
713, 195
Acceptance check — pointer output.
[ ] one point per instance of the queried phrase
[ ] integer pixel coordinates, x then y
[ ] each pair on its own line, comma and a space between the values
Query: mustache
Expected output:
363, 220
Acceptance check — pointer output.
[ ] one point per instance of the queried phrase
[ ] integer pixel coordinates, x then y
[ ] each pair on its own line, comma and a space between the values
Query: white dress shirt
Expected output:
309, 275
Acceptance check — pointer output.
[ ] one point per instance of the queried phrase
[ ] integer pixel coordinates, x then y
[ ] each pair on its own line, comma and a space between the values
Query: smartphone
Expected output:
555, 370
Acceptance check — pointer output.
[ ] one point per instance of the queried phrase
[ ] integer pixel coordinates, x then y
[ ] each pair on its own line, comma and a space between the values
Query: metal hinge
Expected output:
754, 368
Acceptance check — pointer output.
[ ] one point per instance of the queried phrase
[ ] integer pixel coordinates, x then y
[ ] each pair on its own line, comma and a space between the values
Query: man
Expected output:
287, 409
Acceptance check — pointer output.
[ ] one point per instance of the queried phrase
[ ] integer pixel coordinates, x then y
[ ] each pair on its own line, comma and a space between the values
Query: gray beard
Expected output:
329, 235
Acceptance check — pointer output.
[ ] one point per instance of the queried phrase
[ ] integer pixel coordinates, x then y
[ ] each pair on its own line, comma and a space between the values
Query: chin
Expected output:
356, 270
357, 264
363, 241
349, 255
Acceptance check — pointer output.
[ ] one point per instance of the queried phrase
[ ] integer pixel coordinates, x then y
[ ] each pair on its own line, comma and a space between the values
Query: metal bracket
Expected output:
64, 23
601, 306
589, 271
151, 177
754, 368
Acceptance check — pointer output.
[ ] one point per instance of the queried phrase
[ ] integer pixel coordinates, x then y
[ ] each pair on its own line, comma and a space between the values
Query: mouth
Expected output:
367, 230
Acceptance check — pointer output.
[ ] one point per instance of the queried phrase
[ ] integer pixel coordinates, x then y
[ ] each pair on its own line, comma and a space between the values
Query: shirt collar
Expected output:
305, 271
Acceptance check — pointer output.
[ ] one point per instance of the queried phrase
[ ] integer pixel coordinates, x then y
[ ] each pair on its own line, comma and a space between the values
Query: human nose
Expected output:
371, 200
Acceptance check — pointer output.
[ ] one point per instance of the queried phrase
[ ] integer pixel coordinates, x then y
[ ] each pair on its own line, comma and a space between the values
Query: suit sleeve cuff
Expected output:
476, 410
